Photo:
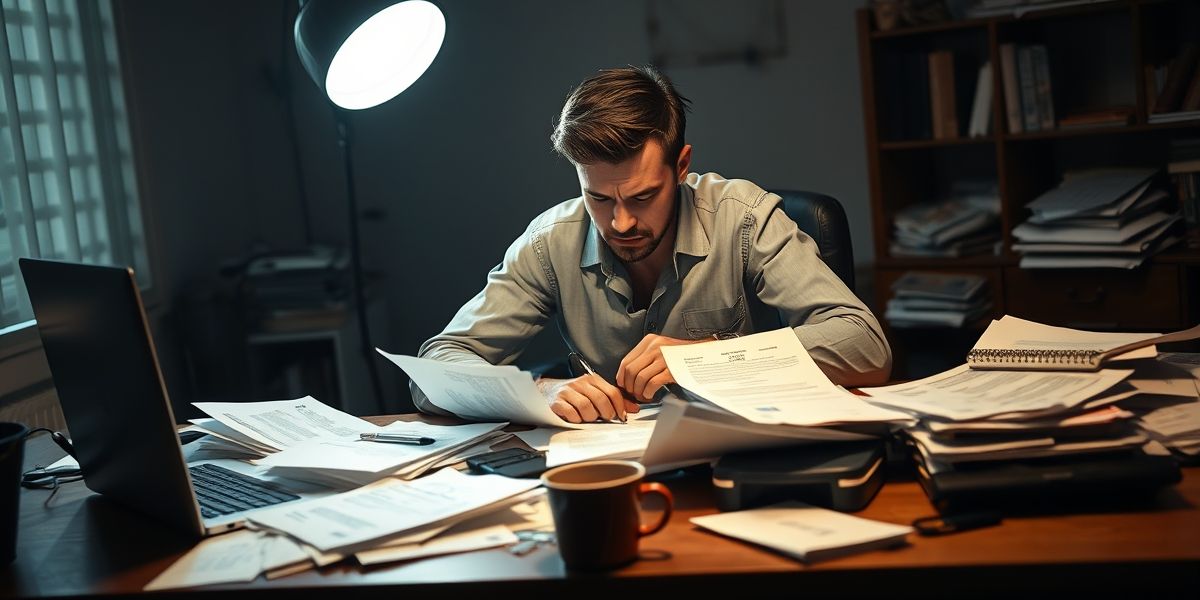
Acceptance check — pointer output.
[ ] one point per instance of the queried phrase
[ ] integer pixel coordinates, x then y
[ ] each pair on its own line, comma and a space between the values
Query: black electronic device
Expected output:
840, 475
1044, 484
510, 462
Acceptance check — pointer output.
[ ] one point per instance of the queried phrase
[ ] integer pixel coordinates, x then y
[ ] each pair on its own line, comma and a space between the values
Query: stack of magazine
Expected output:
1112, 218
962, 225
939, 300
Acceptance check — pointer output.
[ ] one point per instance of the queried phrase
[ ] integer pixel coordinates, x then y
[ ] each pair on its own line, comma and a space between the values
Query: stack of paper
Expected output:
1102, 218
962, 225
938, 300
805, 532
306, 440
974, 415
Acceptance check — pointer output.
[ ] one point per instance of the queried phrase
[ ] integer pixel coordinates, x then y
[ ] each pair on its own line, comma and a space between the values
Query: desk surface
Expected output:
82, 544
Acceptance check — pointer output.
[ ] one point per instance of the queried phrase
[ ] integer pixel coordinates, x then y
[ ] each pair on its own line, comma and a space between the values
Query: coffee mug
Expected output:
596, 512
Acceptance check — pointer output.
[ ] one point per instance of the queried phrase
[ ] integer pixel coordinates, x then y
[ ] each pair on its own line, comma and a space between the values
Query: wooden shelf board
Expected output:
946, 143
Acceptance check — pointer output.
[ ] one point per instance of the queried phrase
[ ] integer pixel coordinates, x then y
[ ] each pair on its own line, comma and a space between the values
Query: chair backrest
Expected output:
823, 219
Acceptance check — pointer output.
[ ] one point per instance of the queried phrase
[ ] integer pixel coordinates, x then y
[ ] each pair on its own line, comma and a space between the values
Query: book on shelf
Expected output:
1043, 87
1179, 76
1191, 99
981, 107
942, 95
1027, 79
1012, 90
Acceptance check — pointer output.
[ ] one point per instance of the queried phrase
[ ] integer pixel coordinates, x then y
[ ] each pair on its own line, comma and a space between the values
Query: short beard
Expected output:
632, 255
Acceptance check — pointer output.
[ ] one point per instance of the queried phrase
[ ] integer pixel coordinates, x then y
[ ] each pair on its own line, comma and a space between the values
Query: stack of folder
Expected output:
1112, 218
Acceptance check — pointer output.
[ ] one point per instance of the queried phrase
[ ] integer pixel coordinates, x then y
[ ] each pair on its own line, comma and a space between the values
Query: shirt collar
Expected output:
690, 237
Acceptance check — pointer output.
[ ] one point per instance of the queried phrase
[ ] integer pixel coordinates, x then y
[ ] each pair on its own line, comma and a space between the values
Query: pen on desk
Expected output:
590, 371
396, 438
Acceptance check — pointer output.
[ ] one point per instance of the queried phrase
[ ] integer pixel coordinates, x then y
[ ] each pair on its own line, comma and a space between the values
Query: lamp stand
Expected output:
360, 297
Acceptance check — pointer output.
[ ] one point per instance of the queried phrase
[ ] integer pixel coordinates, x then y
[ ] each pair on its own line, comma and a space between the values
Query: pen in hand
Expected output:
396, 438
590, 371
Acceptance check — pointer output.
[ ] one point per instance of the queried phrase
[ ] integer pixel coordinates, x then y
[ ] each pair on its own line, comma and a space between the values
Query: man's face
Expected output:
632, 203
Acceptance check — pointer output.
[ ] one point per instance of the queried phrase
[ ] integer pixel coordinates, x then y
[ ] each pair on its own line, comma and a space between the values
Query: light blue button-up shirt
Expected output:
740, 265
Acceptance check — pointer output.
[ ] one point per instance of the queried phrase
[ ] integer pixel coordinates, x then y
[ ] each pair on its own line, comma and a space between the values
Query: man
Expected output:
651, 256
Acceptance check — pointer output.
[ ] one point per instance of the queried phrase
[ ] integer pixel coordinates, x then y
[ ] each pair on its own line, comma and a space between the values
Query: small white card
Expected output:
805, 532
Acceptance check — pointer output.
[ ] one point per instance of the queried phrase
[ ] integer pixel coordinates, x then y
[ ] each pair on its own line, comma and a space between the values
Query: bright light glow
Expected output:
385, 55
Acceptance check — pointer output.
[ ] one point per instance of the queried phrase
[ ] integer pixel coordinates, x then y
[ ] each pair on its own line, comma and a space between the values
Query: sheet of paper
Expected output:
768, 378
629, 441
963, 393
480, 392
1012, 333
219, 430
378, 457
233, 557
805, 532
1176, 420
374, 512
281, 424
449, 543
688, 433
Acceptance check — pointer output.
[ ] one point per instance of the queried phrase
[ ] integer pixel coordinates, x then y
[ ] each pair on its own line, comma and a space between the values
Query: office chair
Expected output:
823, 219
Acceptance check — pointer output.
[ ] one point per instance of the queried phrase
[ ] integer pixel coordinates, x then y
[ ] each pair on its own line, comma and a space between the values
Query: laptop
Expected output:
102, 358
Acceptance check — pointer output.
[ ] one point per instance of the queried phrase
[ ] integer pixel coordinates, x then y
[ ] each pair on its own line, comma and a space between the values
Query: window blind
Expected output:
67, 185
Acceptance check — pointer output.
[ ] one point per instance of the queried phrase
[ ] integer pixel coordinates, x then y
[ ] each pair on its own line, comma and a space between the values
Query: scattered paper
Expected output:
389, 508
449, 543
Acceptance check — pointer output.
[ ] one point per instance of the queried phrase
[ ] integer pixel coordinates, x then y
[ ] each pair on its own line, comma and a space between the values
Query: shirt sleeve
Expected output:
496, 325
838, 330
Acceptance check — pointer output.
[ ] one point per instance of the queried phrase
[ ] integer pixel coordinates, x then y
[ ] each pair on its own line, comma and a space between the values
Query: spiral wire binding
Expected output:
985, 356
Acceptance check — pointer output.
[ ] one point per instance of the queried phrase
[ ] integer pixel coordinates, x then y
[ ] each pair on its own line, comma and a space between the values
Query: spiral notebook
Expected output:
1011, 343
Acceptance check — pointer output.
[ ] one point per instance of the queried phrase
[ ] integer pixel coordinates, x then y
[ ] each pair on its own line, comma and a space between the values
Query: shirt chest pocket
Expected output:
707, 322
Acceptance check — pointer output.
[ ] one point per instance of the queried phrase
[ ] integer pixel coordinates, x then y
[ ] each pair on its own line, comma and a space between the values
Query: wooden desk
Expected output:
83, 544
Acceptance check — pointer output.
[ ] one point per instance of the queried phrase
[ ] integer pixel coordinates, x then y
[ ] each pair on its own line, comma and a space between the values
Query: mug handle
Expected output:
656, 488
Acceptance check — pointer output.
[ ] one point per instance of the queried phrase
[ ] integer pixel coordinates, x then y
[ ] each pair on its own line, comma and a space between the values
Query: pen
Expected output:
396, 438
590, 371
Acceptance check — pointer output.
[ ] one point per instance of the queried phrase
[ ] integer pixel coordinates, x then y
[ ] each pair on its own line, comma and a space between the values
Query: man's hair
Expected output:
609, 117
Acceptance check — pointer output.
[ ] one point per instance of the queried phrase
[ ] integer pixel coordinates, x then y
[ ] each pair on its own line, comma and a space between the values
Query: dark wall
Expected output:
460, 162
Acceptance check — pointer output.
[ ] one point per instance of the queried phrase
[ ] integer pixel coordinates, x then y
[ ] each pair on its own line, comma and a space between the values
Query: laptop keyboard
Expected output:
221, 491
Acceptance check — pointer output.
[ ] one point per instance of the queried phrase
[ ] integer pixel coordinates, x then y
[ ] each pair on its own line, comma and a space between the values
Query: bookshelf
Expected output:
1103, 55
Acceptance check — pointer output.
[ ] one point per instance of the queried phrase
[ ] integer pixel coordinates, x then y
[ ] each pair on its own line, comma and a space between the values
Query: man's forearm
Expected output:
849, 348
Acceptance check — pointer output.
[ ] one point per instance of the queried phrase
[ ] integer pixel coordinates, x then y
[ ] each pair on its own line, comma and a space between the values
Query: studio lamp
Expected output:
362, 53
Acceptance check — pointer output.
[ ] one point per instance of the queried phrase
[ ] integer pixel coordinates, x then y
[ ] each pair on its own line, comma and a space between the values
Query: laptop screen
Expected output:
101, 355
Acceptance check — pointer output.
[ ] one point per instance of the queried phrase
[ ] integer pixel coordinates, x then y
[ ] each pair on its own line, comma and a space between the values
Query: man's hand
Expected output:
586, 399
644, 370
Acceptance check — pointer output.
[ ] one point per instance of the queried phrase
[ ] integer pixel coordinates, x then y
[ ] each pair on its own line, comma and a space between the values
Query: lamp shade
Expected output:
362, 53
